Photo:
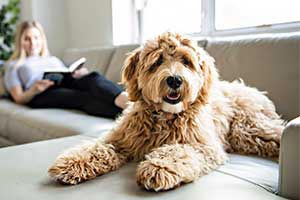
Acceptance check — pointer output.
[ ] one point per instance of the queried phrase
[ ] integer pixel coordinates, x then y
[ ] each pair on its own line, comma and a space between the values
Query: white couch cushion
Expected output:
270, 62
2, 87
114, 69
98, 58
5, 142
7, 110
256, 170
21, 124
24, 176
3, 91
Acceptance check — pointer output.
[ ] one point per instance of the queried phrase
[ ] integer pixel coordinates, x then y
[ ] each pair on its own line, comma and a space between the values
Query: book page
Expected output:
77, 64
74, 66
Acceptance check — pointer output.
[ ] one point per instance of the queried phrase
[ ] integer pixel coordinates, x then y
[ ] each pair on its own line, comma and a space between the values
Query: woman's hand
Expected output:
40, 86
22, 97
80, 72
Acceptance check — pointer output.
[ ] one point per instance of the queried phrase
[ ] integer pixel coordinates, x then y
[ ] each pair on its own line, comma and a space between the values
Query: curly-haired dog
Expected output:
181, 122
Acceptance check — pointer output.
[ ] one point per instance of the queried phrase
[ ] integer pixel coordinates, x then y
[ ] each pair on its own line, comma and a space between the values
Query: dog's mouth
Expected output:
173, 98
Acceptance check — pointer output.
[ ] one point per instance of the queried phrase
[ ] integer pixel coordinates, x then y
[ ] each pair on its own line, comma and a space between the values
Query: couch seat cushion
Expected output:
7, 110
23, 173
23, 125
255, 170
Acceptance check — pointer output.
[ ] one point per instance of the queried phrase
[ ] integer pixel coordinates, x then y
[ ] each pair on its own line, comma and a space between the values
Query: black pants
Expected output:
93, 94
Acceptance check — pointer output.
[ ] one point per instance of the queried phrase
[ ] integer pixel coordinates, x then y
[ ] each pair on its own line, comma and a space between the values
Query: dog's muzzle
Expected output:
174, 82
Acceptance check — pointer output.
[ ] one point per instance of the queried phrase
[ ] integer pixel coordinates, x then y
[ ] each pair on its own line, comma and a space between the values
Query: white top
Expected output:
30, 71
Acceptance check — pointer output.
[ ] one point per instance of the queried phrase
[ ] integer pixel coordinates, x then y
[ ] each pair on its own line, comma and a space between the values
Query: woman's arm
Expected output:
23, 97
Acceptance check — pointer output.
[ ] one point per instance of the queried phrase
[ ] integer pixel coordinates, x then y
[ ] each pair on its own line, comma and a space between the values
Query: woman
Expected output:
89, 92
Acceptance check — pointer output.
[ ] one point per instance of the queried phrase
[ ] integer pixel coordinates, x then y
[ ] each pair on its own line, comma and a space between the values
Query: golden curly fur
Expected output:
181, 121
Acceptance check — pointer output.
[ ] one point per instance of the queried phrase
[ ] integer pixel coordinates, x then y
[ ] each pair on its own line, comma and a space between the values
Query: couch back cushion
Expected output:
268, 62
3, 91
114, 69
98, 58
2, 87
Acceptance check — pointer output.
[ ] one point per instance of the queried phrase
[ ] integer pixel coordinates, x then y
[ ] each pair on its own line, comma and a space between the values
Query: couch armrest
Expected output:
289, 160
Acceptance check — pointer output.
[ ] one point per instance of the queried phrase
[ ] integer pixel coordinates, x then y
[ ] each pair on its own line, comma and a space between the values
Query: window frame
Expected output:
208, 27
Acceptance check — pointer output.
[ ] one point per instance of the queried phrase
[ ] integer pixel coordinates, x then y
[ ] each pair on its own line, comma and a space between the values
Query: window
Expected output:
135, 21
124, 22
175, 15
230, 14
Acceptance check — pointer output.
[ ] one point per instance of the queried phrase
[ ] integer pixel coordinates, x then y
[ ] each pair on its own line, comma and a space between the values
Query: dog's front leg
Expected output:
168, 166
86, 162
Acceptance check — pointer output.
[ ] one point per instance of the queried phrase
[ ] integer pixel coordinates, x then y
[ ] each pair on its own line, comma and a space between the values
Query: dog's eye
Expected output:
156, 64
186, 62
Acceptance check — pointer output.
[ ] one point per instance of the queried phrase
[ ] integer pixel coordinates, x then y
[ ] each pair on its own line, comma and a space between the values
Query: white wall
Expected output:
26, 10
51, 14
71, 23
89, 23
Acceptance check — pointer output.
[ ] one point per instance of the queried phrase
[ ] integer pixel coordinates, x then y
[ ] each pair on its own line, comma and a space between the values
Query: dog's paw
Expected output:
71, 170
157, 176
85, 162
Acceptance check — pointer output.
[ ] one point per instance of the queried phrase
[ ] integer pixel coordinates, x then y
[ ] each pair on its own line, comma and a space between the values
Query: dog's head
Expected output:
170, 72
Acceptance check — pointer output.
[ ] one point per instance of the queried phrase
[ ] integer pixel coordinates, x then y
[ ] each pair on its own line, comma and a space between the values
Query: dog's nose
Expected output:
174, 82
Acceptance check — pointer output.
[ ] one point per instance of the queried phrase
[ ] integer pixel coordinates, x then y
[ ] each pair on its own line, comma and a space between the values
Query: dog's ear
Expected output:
129, 75
207, 64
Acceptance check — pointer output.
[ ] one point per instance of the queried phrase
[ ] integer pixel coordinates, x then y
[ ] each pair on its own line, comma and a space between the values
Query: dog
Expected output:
181, 123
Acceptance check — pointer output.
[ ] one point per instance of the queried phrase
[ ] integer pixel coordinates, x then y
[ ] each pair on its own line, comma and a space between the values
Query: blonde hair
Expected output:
19, 53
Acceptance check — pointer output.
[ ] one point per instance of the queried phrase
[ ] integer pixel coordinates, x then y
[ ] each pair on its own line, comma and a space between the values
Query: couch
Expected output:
270, 62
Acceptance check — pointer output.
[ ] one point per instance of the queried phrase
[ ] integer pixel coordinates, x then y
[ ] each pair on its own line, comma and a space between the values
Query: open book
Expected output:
57, 75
